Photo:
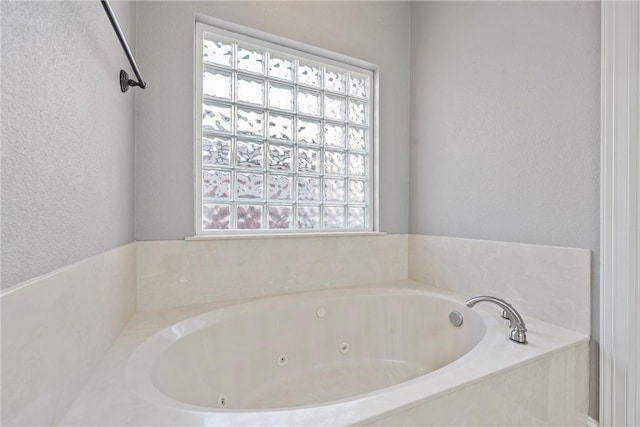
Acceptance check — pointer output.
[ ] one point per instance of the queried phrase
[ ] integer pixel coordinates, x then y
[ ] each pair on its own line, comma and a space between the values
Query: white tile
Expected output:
174, 273
548, 391
546, 282
56, 329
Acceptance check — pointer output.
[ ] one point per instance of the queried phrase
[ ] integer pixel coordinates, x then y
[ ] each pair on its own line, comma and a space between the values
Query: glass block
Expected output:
217, 52
279, 187
308, 189
249, 185
334, 135
280, 68
356, 191
280, 217
280, 127
250, 90
309, 74
357, 139
309, 102
216, 184
308, 131
357, 112
216, 151
216, 84
334, 217
249, 154
250, 60
334, 162
334, 81
334, 190
249, 217
216, 217
357, 164
216, 118
280, 157
358, 85
250, 122
280, 96
308, 217
357, 218
308, 160
335, 107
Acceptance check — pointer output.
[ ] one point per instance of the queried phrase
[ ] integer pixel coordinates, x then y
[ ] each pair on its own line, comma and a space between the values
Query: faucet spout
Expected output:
516, 323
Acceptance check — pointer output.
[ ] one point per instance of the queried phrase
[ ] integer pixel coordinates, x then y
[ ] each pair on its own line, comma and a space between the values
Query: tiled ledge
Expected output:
56, 329
549, 283
176, 273
245, 236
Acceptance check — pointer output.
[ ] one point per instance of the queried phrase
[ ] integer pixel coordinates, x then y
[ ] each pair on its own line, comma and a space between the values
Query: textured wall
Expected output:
376, 32
505, 113
67, 135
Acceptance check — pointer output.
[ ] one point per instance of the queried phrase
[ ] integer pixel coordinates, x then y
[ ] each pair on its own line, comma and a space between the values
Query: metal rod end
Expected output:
126, 82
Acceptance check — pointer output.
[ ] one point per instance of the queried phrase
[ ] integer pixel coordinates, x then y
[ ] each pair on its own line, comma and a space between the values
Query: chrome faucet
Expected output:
518, 328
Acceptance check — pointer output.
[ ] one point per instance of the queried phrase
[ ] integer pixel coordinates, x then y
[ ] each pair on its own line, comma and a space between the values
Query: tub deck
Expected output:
498, 382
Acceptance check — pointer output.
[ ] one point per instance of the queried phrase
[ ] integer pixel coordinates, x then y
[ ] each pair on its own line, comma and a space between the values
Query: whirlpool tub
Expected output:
372, 355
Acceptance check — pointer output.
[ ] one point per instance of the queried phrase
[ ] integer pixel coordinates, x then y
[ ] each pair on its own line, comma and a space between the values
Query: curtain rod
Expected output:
125, 81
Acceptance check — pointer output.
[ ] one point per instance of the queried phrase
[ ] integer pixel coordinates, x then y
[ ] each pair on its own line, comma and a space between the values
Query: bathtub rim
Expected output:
372, 405
139, 371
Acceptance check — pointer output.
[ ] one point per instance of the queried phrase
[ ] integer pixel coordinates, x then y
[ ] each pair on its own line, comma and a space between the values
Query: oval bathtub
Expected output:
311, 351
334, 357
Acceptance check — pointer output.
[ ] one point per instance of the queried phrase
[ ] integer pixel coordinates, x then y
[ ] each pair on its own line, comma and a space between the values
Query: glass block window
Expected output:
283, 139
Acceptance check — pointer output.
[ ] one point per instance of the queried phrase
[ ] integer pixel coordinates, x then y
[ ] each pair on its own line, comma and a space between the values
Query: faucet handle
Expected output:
519, 335
518, 327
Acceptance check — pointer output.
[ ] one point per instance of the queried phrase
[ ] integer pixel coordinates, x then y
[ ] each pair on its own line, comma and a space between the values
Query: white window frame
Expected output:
268, 41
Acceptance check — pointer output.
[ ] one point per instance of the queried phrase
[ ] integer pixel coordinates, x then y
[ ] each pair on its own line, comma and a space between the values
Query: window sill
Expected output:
283, 235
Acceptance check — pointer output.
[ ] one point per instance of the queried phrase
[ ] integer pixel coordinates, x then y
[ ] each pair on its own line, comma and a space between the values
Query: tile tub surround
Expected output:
550, 371
546, 282
177, 273
56, 330
551, 390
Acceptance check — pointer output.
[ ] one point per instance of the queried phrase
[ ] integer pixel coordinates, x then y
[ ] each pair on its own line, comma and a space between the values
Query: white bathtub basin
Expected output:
306, 350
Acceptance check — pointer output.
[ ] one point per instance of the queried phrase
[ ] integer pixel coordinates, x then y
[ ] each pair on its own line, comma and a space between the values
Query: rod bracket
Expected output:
126, 82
